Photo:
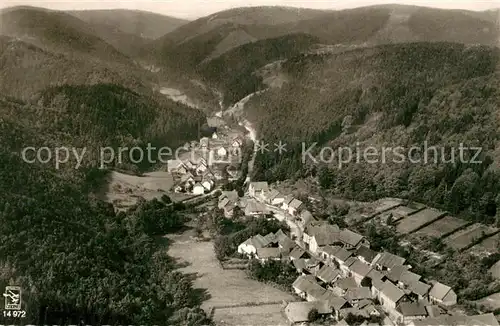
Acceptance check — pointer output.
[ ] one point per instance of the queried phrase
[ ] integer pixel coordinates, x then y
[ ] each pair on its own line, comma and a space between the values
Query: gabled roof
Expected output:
412, 309
439, 291
392, 292
346, 283
297, 252
308, 284
366, 253
350, 238
360, 268
288, 199
265, 253
257, 241
271, 237
350, 261
327, 274
378, 284
342, 254
295, 203
388, 260
403, 275
330, 250
299, 264
286, 243
375, 275
306, 216
273, 194
334, 301
358, 293
260, 186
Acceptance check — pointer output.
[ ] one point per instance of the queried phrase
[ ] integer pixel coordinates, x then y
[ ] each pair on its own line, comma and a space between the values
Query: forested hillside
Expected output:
234, 72
393, 95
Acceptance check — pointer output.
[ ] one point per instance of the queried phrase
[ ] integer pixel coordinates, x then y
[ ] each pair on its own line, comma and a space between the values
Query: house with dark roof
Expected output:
328, 274
319, 236
365, 254
354, 295
442, 294
410, 311
306, 287
264, 254
297, 253
386, 261
401, 276
342, 255
342, 285
390, 295
419, 290
352, 239
359, 270
327, 252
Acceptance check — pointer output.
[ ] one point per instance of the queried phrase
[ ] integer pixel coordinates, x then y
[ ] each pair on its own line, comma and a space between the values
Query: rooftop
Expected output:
412, 309
260, 186
349, 237
439, 290
366, 253
388, 260
392, 292
298, 312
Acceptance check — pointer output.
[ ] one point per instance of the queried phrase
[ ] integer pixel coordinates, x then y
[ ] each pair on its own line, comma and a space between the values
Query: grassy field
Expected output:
264, 315
468, 236
413, 222
227, 288
443, 226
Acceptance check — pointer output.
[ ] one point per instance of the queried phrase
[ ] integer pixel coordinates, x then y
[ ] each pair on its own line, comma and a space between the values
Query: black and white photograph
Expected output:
249, 163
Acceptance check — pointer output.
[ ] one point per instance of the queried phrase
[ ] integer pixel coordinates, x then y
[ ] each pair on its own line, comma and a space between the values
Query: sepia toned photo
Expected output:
249, 163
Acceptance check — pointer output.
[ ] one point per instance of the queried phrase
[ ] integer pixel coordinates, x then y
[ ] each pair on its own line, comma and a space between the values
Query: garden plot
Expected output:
415, 221
488, 246
443, 227
468, 236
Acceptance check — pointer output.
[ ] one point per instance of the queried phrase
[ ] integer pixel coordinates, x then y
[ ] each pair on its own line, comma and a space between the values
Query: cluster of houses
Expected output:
213, 162
340, 275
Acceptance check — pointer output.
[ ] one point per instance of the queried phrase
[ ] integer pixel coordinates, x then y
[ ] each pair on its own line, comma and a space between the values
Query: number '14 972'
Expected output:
15, 313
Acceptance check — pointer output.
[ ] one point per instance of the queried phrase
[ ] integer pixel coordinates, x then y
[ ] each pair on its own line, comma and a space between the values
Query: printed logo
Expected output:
12, 296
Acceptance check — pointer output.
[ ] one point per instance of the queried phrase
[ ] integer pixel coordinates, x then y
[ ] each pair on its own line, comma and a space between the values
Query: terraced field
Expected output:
415, 221
443, 227
468, 236
487, 246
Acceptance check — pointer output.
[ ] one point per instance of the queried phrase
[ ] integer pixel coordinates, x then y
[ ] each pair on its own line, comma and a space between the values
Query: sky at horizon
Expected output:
192, 9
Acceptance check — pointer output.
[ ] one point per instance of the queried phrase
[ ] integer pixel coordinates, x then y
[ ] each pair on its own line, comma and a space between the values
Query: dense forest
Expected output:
406, 95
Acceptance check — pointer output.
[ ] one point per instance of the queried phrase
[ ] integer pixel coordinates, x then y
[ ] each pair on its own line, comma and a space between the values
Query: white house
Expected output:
250, 246
294, 207
221, 152
215, 136
208, 184
390, 295
198, 189
176, 166
257, 188
201, 168
288, 199
442, 294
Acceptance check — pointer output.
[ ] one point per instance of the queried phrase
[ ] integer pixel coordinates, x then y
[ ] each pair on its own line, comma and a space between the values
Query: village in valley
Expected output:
341, 279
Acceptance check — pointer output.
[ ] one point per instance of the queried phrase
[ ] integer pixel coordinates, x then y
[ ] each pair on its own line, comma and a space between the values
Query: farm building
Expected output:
257, 188
442, 294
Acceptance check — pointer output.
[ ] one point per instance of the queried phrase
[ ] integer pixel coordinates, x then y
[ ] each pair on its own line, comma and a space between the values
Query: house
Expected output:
344, 284
257, 188
297, 253
354, 295
353, 311
305, 218
250, 246
294, 207
176, 166
419, 290
275, 198
264, 254
285, 243
286, 202
328, 274
215, 136
189, 165
312, 265
442, 294
377, 286
229, 210
390, 295
230, 195
386, 261
307, 288
201, 168
254, 208
365, 254
341, 256
320, 235
221, 152
298, 312
360, 270
198, 189
335, 302
204, 142
327, 253
401, 276
300, 265
410, 311
208, 184
352, 239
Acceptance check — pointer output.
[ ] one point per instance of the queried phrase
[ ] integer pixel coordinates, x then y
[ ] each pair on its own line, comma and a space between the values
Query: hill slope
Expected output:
58, 32
387, 97
128, 30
